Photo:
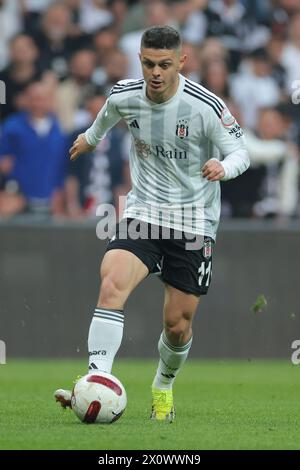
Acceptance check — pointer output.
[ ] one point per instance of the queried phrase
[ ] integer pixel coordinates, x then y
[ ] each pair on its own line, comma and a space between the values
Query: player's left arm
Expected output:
213, 170
227, 135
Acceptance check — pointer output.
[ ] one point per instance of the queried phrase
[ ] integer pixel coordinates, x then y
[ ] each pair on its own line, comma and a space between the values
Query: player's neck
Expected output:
158, 98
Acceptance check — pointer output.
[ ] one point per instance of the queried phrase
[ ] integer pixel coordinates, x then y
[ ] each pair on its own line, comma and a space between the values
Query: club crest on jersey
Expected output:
207, 249
142, 148
182, 129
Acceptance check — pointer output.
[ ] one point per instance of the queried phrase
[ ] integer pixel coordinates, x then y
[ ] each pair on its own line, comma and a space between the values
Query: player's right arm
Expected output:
79, 146
106, 119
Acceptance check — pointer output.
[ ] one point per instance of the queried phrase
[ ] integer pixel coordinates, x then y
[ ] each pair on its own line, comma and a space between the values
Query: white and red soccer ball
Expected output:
98, 398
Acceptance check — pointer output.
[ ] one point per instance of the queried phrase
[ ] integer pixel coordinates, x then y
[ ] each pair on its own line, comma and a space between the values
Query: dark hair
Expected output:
260, 54
286, 110
161, 37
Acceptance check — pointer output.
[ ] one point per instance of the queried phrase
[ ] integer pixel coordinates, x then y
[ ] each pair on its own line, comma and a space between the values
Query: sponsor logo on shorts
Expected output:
207, 249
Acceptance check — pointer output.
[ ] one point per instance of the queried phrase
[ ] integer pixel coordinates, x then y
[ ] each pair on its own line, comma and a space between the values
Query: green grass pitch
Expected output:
219, 405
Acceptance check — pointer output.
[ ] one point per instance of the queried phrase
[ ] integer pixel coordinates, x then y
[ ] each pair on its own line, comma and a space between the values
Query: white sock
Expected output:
105, 337
171, 359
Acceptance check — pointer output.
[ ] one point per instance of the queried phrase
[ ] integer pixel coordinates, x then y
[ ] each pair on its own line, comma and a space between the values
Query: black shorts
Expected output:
181, 261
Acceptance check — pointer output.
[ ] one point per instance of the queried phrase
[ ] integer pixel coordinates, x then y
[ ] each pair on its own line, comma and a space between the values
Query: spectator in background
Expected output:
115, 70
238, 32
274, 49
94, 15
34, 151
74, 7
10, 25
179, 12
105, 42
71, 93
190, 18
215, 77
271, 186
102, 176
275, 148
120, 10
290, 58
55, 39
22, 70
213, 50
33, 11
281, 13
254, 87
261, 10
135, 19
285, 8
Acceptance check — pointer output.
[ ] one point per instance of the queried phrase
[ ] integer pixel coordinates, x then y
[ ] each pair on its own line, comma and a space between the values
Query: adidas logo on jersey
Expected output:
134, 124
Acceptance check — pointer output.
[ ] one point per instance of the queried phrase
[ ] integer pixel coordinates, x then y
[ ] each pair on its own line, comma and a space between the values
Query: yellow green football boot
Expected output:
162, 405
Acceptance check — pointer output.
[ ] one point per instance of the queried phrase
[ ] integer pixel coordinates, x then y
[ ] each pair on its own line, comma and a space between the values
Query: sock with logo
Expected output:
171, 359
105, 337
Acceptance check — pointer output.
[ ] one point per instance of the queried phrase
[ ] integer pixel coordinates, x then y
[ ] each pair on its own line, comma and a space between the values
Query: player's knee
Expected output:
111, 291
177, 329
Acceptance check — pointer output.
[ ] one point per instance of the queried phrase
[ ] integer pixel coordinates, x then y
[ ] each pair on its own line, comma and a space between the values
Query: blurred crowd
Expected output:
59, 59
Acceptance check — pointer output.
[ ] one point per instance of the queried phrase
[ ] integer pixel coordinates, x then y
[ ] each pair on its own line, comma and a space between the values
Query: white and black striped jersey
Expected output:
171, 141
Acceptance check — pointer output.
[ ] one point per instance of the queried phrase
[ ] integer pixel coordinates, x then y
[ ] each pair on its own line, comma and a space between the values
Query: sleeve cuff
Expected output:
225, 177
88, 139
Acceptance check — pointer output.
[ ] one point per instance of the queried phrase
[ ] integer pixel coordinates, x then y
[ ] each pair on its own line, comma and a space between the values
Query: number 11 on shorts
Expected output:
205, 274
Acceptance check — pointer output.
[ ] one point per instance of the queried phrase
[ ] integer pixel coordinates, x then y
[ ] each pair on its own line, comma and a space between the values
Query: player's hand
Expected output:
213, 170
79, 146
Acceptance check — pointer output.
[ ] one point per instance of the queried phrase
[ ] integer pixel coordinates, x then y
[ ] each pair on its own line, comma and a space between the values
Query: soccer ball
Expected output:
98, 398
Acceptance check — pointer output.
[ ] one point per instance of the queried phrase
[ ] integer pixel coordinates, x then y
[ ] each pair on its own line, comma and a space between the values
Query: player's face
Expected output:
160, 70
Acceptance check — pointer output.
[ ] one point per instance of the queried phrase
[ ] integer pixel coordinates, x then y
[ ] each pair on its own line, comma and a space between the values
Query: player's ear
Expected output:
182, 60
